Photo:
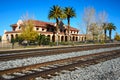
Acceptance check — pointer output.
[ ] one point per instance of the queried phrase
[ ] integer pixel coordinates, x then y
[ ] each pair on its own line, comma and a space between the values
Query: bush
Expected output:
19, 39
117, 37
52, 43
43, 40
63, 43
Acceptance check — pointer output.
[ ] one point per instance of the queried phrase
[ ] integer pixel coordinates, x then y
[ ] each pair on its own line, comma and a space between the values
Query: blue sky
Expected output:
12, 10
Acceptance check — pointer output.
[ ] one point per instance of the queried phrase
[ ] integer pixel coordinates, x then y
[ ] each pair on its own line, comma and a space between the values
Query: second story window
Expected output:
60, 30
37, 29
77, 32
19, 27
48, 29
42, 29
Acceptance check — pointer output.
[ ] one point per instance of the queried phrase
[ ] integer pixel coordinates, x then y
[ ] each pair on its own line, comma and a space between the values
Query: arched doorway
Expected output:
76, 38
7, 37
73, 38
62, 38
12, 36
58, 38
82, 38
66, 38
53, 38
85, 38
16, 36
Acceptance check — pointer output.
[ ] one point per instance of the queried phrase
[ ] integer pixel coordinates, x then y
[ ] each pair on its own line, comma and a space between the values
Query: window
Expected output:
37, 28
60, 30
7, 37
42, 29
48, 29
77, 32
19, 27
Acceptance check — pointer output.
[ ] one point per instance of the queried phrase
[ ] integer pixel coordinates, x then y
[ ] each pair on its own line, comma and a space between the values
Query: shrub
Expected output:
19, 39
117, 37
43, 40
52, 43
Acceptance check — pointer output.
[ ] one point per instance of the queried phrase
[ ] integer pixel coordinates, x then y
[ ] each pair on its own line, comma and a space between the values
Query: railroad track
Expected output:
49, 69
45, 52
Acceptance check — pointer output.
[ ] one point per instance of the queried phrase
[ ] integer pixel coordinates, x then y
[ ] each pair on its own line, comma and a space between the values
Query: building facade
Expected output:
47, 29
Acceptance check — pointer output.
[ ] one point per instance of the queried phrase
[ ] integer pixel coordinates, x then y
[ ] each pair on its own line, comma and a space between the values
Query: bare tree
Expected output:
103, 17
93, 28
88, 18
102, 22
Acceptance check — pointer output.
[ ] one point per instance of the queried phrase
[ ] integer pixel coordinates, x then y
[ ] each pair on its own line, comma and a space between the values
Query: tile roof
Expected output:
38, 23
41, 23
71, 28
8, 32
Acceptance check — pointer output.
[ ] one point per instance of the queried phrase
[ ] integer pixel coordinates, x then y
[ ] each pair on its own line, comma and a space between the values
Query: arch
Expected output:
12, 36
85, 38
7, 37
66, 38
53, 38
62, 38
73, 38
82, 39
76, 38
58, 38
48, 35
16, 36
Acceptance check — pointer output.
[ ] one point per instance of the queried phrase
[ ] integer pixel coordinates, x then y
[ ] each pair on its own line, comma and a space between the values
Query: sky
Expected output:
12, 10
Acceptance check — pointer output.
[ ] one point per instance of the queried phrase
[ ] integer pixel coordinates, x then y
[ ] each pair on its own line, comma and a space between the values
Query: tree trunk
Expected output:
105, 31
110, 31
57, 21
68, 29
86, 35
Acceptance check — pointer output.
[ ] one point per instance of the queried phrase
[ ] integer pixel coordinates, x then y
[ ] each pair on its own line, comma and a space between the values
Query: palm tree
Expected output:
105, 29
63, 16
70, 13
55, 13
111, 27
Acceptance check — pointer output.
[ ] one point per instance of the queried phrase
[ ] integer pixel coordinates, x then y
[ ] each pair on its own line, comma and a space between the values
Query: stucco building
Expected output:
47, 29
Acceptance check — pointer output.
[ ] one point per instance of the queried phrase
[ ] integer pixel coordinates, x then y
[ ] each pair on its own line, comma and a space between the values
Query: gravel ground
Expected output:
33, 60
108, 70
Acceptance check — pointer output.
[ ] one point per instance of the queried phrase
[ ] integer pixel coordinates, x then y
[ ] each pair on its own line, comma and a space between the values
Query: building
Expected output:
47, 29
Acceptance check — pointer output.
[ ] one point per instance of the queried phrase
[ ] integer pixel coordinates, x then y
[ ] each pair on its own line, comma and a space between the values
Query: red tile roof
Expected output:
73, 29
38, 23
8, 32
41, 23
45, 32
13, 25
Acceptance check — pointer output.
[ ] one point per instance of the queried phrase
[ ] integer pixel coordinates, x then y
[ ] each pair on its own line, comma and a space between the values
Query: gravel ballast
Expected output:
108, 70
33, 60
